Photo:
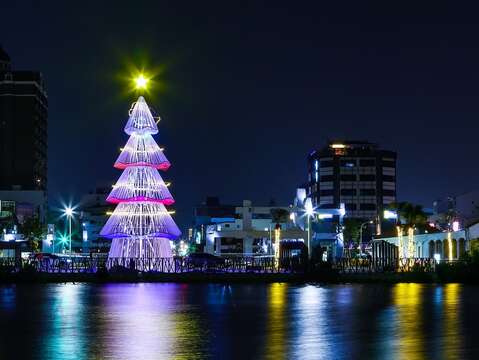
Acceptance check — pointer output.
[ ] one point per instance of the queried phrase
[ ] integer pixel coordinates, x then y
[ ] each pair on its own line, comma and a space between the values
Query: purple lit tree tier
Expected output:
141, 227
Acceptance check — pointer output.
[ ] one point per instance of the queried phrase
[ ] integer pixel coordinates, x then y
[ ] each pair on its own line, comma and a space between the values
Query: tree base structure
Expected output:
140, 248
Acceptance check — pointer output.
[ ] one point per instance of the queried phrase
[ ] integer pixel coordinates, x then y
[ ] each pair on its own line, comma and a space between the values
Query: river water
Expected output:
261, 321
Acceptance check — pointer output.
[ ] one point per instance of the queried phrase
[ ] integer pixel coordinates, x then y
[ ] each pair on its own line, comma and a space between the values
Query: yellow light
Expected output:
401, 244
277, 237
411, 246
449, 244
141, 81
338, 146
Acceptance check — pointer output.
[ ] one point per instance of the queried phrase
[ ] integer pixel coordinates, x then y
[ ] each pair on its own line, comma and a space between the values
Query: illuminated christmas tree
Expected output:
140, 227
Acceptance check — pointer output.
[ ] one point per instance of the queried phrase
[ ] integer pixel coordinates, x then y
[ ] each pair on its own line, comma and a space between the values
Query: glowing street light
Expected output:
308, 208
68, 212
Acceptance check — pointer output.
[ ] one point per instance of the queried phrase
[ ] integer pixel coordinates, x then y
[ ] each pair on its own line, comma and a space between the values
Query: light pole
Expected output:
308, 207
69, 214
361, 234
270, 238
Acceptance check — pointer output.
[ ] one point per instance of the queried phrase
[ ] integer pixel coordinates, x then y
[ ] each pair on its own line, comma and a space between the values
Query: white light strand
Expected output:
140, 182
140, 219
142, 150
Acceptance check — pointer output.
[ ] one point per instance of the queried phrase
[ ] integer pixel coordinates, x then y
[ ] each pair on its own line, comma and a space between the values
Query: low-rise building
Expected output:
243, 230
434, 245
93, 214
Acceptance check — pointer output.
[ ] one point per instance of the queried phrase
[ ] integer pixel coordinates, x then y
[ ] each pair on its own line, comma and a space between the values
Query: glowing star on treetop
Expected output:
141, 82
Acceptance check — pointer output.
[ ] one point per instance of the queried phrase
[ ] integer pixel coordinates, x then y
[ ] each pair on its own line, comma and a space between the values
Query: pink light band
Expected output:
114, 200
162, 166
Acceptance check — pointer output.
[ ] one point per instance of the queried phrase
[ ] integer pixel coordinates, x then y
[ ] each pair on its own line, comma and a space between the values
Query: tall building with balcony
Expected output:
356, 173
23, 128
23, 137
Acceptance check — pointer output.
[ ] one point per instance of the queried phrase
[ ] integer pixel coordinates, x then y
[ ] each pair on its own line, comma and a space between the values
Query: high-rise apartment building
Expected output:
23, 128
23, 139
356, 173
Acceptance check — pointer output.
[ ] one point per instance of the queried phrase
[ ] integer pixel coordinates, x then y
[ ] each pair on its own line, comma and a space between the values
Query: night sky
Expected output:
248, 90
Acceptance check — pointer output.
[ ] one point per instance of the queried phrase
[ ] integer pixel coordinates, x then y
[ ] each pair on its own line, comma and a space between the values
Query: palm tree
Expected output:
410, 217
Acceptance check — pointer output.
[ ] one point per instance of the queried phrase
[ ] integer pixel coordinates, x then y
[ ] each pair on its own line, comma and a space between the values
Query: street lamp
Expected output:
68, 211
361, 234
308, 208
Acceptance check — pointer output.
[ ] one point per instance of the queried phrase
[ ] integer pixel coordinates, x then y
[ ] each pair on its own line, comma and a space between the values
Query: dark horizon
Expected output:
248, 90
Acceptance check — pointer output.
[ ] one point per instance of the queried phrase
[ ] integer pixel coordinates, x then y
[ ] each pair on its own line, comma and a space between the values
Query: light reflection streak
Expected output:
276, 326
451, 327
7, 298
140, 321
311, 324
407, 299
66, 338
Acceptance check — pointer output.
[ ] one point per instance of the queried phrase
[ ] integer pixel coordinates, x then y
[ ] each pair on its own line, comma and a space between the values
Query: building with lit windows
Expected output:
245, 229
356, 173
23, 137
23, 128
93, 214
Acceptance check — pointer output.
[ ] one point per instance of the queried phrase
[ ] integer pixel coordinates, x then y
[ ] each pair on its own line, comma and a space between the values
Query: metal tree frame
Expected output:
141, 226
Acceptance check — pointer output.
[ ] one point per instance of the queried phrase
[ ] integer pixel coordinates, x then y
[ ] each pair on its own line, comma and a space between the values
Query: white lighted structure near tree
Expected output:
141, 227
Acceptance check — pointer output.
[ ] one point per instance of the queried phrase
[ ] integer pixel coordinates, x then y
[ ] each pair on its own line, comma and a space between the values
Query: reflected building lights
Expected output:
452, 345
67, 336
312, 327
276, 329
407, 299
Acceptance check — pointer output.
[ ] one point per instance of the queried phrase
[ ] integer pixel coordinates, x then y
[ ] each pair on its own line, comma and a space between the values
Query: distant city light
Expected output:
388, 214
9, 237
342, 209
308, 207
455, 226
325, 216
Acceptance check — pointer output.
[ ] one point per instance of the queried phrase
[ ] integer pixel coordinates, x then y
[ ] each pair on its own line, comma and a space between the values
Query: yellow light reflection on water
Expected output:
408, 300
451, 329
276, 328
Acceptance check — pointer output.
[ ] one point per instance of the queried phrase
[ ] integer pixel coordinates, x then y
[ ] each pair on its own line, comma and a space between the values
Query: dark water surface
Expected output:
273, 321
